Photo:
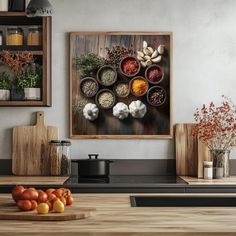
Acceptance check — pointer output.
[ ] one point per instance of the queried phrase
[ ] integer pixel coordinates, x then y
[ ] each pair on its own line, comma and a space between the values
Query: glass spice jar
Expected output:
55, 157
15, 36
208, 169
66, 158
1, 37
34, 36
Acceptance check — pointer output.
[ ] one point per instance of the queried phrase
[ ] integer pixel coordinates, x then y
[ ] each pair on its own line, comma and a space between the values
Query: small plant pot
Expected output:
122, 63
32, 93
99, 104
4, 94
99, 74
131, 86
158, 79
156, 96
17, 94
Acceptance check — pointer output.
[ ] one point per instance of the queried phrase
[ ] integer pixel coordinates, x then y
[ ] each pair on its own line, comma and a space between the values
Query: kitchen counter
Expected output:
115, 216
122, 184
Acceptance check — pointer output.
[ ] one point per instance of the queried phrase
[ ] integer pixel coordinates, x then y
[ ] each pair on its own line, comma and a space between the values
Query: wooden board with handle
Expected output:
31, 148
9, 211
190, 152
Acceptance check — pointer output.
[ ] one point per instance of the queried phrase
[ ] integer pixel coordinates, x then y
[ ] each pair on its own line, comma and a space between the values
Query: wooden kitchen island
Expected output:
115, 216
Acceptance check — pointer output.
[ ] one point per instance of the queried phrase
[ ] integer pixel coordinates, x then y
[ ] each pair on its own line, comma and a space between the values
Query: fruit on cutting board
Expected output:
43, 208
44, 201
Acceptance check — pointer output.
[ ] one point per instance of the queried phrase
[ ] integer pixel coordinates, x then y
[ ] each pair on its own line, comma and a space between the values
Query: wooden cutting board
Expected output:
9, 211
190, 152
32, 180
31, 148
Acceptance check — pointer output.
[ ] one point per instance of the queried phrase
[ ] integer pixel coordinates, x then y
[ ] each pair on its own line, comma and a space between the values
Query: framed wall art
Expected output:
121, 85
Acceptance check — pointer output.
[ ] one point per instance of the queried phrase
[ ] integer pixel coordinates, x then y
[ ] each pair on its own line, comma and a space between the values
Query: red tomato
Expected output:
50, 190
17, 192
24, 205
63, 200
68, 192
43, 197
54, 200
51, 196
49, 205
30, 194
34, 205
69, 200
58, 192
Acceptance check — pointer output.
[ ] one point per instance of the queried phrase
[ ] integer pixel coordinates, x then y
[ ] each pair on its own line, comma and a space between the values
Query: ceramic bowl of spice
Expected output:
88, 87
105, 99
107, 75
139, 86
156, 96
122, 89
154, 74
130, 66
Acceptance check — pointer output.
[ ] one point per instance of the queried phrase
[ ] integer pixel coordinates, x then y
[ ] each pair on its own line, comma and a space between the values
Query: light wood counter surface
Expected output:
115, 216
195, 181
32, 180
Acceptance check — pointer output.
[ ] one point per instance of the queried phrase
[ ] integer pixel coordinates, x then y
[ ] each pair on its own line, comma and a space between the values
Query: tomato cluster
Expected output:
28, 199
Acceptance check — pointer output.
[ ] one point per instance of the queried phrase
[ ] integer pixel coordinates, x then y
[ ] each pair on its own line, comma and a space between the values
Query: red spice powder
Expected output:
130, 66
154, 75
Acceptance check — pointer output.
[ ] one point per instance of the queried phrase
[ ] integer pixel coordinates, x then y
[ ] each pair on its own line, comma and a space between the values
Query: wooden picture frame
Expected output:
78, 126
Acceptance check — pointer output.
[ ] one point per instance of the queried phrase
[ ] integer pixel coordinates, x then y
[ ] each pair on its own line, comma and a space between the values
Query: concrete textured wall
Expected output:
204, 63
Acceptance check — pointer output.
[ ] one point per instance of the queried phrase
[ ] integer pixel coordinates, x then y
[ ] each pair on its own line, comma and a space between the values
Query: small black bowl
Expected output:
99, 94
104, 68
129, 58
151, 90
88, 79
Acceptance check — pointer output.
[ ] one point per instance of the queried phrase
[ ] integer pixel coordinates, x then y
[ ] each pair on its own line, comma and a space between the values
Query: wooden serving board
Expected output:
190, 152
32, 180
31, 148
196, 181
9, 211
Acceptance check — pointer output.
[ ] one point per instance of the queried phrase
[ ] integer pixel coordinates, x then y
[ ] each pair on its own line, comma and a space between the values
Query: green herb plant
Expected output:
30, 77
89, 64
5, 82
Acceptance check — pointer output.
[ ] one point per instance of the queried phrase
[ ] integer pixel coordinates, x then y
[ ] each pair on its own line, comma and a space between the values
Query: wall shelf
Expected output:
41, 53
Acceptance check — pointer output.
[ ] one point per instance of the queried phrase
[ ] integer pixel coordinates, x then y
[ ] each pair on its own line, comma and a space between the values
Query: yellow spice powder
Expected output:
139, 86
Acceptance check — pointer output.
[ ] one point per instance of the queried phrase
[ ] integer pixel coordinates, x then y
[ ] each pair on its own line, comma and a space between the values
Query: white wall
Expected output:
204, 63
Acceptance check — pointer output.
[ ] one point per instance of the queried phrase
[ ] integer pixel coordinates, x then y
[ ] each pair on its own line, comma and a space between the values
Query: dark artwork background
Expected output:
157, 121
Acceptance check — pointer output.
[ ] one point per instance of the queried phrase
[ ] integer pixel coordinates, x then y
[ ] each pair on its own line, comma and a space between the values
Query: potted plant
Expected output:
5, 86
30, 80
216, 127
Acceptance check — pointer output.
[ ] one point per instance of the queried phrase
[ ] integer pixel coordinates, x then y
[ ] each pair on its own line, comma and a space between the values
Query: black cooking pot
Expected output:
93, 167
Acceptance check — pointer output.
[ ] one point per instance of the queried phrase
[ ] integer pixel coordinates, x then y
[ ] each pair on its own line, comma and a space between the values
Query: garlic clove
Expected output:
154, 54
145, 44
157, 59
161, 49
147, 57
148, 62
150, 50
143, 64
140, 54
147, 52
140, 58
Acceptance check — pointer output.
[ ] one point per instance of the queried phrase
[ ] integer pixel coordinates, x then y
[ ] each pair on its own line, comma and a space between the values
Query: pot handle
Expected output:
93, 155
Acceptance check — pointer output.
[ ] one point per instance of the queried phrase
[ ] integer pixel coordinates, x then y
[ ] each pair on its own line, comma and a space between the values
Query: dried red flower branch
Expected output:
216, 125
16, 61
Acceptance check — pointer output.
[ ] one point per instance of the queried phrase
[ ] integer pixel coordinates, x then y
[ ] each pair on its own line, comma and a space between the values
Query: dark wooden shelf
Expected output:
22, 103
41, 53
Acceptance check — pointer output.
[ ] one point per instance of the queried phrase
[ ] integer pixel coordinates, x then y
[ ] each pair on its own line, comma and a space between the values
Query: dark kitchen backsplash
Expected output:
127, 167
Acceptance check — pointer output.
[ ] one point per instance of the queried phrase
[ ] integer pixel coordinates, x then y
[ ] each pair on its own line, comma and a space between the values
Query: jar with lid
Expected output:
208, 169
66, 158
55, 157
34, 36
1, 37
15, 36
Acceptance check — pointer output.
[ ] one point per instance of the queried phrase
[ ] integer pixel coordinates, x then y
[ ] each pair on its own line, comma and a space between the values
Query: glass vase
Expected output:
220, 163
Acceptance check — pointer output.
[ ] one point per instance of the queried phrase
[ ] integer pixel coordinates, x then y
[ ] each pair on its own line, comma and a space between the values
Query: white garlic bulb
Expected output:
121, 110
137, 109
91, 111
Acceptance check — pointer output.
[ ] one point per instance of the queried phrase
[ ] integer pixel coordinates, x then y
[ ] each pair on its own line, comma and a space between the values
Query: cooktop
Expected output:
75, 180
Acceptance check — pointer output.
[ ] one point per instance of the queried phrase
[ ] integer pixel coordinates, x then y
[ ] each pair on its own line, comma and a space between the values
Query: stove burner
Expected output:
102, 180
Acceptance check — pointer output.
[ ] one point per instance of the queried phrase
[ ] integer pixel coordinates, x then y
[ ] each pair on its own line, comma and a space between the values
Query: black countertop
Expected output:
132, 184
